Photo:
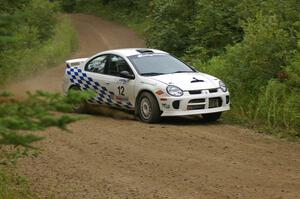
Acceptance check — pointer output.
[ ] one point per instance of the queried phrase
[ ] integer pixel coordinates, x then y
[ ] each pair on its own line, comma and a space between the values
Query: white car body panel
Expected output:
107, 87
184, 80
76, 62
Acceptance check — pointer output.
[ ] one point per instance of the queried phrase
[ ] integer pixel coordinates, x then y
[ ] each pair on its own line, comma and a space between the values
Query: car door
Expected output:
123, 88
96, 79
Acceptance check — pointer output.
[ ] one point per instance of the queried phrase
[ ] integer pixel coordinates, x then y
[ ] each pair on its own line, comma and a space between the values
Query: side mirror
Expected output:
126, 74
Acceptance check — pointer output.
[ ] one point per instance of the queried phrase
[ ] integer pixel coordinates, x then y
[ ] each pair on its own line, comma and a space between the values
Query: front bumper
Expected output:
195, 104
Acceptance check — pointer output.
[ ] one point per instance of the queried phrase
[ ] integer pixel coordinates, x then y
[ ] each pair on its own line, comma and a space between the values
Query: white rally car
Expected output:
151, 82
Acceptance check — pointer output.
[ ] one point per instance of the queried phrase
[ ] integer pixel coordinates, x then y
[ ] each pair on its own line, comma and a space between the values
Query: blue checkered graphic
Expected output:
79, 78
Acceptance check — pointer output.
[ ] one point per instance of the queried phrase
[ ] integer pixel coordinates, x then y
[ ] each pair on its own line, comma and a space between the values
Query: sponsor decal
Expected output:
167, 106
121, 98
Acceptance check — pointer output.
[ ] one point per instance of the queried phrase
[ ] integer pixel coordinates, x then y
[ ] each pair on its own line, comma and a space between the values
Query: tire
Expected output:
148, 109
80, 107
212, 117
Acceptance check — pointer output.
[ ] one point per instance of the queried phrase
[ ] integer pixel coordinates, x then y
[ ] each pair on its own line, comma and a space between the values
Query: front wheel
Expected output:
212, 117
148, 108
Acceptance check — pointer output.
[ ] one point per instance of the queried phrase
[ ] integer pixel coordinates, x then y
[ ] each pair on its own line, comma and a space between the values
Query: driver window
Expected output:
116, 64
97, 65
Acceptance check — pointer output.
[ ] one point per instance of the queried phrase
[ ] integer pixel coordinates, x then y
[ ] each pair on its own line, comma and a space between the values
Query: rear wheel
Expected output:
212, 117
148, 108
79, 107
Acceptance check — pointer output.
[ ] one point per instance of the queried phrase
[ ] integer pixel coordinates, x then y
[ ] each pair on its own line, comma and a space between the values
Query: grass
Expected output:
27, 62
13, 186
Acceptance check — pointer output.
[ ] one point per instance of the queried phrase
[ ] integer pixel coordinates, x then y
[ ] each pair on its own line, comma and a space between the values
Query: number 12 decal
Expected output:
121, 90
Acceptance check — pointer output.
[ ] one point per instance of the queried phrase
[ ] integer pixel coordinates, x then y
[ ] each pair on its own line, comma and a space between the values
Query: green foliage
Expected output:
195, 27
32, 37
38, 112
68, 5
263, 74
293, 72
40, 15
6, 94
25, 24
9, 6
20, 63
216, 25
170, 25
263, 53
12, 138
286, 11
278, 105
10, 36
274, 109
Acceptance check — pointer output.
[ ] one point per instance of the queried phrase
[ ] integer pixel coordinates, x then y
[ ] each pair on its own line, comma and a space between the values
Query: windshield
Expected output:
158, 64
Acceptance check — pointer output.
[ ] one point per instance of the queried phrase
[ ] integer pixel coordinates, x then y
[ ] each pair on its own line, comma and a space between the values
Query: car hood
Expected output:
188, 81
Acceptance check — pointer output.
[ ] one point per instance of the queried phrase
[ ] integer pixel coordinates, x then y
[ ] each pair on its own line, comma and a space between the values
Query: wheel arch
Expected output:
74, 85
138, 96
156, 115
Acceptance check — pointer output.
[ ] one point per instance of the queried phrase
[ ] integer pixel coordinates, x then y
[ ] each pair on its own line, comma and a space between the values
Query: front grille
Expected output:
215, 102
195, 92
193, 101
215, 90
195, 107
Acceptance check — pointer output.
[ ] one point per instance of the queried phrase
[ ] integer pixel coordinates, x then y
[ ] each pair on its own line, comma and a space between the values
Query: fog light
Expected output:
176, 104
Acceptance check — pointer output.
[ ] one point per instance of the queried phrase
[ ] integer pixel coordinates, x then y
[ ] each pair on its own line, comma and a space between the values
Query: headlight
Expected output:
174, 91
223, 86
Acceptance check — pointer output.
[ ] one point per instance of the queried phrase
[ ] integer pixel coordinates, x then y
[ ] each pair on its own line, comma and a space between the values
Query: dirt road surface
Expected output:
111, 155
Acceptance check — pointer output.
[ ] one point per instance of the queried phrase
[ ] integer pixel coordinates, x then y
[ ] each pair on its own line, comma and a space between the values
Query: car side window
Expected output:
97, 65
117, 64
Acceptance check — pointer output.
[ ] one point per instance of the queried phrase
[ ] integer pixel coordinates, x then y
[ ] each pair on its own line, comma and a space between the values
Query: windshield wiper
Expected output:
183, 71
151, 74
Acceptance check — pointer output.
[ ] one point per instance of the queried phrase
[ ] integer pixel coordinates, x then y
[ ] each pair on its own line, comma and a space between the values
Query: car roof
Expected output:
126, 52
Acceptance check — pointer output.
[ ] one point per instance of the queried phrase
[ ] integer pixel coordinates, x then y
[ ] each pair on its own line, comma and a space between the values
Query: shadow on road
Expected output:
129, 115
187, 120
